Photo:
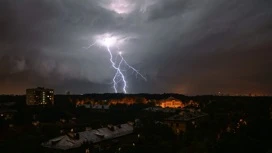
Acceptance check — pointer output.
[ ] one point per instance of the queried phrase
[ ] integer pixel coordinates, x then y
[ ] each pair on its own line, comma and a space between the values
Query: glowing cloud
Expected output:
123, 7
119, 6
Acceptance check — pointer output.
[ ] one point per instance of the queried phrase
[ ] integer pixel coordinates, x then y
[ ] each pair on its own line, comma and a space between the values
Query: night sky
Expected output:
182, 46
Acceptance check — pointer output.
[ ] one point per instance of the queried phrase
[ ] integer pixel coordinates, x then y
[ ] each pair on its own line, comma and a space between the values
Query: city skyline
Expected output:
186, 47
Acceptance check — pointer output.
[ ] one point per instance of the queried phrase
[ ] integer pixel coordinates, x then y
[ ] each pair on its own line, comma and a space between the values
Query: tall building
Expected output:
39, 96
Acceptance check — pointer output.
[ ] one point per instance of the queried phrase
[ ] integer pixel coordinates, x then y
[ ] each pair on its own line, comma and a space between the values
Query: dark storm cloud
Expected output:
186, 46
223, 29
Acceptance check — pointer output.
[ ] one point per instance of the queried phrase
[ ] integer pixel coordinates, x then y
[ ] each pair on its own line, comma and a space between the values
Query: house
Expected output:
171, 102
75, 140
185, 120
160, 109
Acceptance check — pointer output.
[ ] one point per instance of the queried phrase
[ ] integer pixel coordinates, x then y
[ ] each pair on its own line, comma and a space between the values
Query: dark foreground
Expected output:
234, 124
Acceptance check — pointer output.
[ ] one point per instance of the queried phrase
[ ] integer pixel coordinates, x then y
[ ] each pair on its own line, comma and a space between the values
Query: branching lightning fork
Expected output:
119, 77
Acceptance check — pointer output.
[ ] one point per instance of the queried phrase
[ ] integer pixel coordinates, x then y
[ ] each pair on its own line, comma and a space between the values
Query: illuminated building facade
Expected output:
39, 96
171, 103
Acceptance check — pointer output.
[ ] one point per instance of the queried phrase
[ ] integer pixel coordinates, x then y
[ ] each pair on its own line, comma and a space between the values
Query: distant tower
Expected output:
68, 93
39, 96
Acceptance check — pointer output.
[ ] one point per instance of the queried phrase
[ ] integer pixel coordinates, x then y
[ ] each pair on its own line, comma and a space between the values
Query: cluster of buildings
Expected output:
179, 123
170, 102
182, 120
112, 101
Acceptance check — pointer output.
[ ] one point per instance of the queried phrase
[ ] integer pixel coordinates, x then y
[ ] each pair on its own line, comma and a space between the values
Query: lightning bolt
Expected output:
119, 77
133, 69
91, 45
117, 73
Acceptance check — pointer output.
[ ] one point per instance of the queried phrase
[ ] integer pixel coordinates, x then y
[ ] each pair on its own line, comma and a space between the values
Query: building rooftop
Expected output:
7, 104
75, 140
160, 109
8, 111
97, 106
187, 115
